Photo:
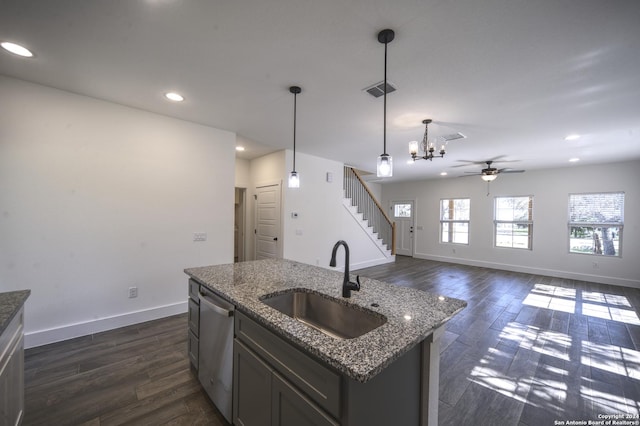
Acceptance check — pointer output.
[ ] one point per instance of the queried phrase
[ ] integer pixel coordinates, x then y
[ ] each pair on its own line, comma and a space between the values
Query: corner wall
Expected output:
96, 198
551, 189
322, 219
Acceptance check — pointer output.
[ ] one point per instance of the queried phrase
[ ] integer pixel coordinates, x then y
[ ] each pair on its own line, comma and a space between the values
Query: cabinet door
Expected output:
194, 317
12, 377
194, 350
289, 407
251, 388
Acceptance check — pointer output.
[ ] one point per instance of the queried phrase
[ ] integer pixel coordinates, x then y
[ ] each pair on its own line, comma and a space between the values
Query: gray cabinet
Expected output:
274, 380
251, 388
12, 371
290, 407
304, 391
193, 341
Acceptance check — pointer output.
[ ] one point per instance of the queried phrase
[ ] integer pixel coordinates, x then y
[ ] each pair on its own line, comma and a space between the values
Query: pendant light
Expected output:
294, 179
385, 162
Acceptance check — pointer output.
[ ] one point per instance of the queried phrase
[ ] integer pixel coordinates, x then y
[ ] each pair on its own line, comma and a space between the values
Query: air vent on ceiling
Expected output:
453, 137
377, 89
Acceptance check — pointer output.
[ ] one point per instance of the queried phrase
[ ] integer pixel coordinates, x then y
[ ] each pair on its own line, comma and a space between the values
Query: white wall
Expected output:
96, 197
550, 188
243, 173
322, 218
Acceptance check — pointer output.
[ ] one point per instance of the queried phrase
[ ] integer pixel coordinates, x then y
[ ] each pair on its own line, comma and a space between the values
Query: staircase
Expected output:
368, 212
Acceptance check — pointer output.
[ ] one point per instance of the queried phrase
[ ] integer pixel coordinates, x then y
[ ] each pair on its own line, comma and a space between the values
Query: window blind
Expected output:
602, 208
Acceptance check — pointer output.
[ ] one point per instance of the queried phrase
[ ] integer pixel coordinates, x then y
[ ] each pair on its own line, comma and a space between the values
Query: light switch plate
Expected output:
199, 236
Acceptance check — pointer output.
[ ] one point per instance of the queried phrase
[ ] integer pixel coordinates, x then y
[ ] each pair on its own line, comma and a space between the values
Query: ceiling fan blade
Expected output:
469, 163
510, 171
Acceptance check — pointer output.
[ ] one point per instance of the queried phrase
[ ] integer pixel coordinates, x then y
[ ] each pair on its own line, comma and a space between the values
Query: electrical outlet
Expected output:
133, 292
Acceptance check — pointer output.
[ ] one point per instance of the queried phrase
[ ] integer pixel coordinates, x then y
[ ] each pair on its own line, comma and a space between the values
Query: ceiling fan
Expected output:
490, 174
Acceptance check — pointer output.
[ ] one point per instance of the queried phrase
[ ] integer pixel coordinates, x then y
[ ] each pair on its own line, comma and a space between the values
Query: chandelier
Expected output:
428, 147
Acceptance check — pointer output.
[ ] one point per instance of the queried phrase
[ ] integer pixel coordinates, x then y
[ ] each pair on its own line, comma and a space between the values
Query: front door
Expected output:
403, 215
267, 230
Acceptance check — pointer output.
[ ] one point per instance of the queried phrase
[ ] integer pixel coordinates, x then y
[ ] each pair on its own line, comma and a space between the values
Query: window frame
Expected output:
452, 222
528, 223
595, 225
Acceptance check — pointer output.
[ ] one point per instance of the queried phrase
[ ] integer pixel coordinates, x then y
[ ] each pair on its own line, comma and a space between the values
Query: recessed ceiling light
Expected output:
574, 160
16, 49
173, 96
239, 148
572, 137
443, 173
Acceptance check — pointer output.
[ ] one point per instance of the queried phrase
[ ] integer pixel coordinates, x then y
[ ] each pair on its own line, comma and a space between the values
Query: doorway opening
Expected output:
240, 216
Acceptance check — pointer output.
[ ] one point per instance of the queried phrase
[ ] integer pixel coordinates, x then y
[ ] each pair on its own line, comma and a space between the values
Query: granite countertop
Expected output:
10, 304
412, 315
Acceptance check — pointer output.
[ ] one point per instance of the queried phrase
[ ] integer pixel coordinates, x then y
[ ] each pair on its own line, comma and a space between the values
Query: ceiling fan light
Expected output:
385, 166
489, 178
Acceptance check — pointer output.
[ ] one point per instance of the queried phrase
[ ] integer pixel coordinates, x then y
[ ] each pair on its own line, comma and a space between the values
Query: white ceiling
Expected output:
514, 76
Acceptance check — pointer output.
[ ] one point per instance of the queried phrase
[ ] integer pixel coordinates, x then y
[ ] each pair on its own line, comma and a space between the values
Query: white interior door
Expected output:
403, 215
267, 230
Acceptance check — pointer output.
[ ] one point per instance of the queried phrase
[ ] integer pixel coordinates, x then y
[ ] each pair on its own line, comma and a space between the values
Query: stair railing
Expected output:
362, 198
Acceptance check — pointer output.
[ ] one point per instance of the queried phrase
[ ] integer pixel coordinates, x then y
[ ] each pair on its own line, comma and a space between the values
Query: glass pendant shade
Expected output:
489, 178
413, 148
294, 180
385, 166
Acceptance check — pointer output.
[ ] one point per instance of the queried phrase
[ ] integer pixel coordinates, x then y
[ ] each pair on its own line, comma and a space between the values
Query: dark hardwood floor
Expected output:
528, 350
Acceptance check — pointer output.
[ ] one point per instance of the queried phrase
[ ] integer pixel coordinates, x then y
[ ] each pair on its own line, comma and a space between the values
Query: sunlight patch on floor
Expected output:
591, 303
614, 359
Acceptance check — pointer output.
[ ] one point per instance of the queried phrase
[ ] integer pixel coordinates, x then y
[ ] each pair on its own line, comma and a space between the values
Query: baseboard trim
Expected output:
58, 334
374, 262
535, 271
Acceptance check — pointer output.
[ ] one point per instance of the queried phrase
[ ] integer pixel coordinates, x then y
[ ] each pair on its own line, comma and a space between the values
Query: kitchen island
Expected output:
371, 368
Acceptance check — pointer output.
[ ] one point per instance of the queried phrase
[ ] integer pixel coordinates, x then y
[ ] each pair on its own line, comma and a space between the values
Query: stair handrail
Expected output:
384, 221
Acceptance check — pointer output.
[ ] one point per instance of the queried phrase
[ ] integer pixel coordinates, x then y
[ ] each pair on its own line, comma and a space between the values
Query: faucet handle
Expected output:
357, 283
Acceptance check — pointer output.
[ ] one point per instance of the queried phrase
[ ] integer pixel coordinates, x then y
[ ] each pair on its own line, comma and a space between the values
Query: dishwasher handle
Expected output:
215, 308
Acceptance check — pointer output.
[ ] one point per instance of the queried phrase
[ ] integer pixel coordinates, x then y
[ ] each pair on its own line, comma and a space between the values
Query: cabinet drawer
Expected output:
194, 289
194, 349
194, 317
318, 382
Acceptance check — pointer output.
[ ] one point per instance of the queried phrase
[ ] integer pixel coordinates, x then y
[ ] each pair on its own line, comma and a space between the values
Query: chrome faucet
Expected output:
347, 285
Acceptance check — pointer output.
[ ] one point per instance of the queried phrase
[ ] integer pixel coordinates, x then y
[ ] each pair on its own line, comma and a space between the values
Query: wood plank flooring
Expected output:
528, 351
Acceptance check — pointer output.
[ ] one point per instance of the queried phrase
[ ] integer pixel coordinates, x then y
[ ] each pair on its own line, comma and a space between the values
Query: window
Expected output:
402, 210
513, 224
454, 220
595, 223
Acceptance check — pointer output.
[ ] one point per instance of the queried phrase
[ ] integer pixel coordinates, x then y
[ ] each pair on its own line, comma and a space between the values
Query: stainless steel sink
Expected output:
325, 313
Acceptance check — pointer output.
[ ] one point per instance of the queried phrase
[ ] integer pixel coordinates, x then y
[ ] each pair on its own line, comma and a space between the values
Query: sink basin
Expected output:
325, 314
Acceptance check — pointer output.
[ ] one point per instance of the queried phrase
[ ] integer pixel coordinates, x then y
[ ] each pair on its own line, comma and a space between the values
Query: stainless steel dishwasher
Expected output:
215, 370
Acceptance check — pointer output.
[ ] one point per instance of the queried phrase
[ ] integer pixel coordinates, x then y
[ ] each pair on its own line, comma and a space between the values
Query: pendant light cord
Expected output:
295, 97
384, 130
